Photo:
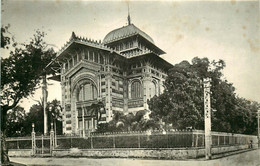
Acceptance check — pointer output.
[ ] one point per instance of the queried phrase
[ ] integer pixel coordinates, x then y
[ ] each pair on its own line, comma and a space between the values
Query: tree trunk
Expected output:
4, 151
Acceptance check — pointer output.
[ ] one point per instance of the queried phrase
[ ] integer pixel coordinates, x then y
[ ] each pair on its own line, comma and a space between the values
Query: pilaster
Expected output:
108, 77
146, 78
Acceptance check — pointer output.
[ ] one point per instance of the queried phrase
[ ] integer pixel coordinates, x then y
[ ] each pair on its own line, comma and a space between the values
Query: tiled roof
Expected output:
124, 32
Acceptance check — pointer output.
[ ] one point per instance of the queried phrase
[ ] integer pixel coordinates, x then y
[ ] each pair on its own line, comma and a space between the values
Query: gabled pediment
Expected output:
83, 66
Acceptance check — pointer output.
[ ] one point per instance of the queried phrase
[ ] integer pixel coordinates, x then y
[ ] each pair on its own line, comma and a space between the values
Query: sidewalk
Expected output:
251, 158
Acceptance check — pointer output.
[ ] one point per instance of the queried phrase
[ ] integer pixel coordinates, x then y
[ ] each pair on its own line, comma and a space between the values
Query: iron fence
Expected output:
142, 139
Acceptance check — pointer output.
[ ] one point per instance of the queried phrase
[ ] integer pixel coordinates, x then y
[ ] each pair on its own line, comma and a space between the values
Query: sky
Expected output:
227, 30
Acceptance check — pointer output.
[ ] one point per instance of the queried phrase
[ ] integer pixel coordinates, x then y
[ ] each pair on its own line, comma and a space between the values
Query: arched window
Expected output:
87, 92
136, 90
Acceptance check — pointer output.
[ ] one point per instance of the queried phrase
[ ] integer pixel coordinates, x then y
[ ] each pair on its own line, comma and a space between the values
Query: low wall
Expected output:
189, 153
132, 153
225, 149
182, 153
20, 152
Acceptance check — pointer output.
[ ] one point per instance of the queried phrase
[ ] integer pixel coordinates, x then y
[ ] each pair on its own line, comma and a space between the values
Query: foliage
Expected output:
181, 104
127, 122
19, 123
5, 39
21, 72
15, 122
97, 109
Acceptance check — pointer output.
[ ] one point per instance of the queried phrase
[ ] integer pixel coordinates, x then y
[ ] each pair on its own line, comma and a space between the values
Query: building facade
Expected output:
122, 72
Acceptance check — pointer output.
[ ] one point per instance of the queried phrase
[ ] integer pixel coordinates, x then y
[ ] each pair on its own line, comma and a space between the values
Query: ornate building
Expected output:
123, 72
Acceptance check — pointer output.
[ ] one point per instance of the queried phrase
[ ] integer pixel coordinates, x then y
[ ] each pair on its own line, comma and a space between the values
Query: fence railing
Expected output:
134, 139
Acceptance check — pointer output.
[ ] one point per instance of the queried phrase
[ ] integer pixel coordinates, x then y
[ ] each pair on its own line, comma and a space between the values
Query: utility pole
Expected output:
44, 94
207, 117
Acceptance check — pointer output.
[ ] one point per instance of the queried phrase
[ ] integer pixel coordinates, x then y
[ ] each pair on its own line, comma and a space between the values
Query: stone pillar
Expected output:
83, 122
92, 124
33, 141
159, 87
98, 57
125, 93
146, 79
99, 85
51, 139
77, 57
207, 118
108, 94
69, 63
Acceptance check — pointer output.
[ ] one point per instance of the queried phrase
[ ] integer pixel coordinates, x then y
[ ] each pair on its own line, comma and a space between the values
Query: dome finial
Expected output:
128, 17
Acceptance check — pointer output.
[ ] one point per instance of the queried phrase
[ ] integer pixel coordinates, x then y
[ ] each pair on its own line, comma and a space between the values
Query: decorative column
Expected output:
159, 87
92, 124
99, 85
83, 122
146, 80
51, 139
33, 141
69, 64
125, 93
207, 117
108, 93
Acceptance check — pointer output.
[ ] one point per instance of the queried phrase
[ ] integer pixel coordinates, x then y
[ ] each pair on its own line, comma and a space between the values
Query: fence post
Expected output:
71, 140
114, 142
203, 142
42, 144
51, 139
33, 141
192, 142
139, 145
197, 139
224, 140
218, 139
167, 134
91, 142
17, 144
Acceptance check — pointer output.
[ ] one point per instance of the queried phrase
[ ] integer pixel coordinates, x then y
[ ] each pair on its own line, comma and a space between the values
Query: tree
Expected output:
181, 101
181, 104
15, 122
55, 115
20, 74
127, 122
35, 115
5, 39
97, 109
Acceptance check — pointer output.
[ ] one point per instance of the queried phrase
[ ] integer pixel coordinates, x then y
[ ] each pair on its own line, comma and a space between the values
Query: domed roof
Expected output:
124, 32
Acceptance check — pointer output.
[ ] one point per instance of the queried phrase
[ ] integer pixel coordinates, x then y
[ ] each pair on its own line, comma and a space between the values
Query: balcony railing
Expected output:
87, 103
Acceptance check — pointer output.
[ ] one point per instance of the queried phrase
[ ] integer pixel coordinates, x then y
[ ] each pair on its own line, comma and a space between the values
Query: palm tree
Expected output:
97, 109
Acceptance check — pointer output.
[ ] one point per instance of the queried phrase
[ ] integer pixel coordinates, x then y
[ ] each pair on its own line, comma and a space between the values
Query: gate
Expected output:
42, 145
